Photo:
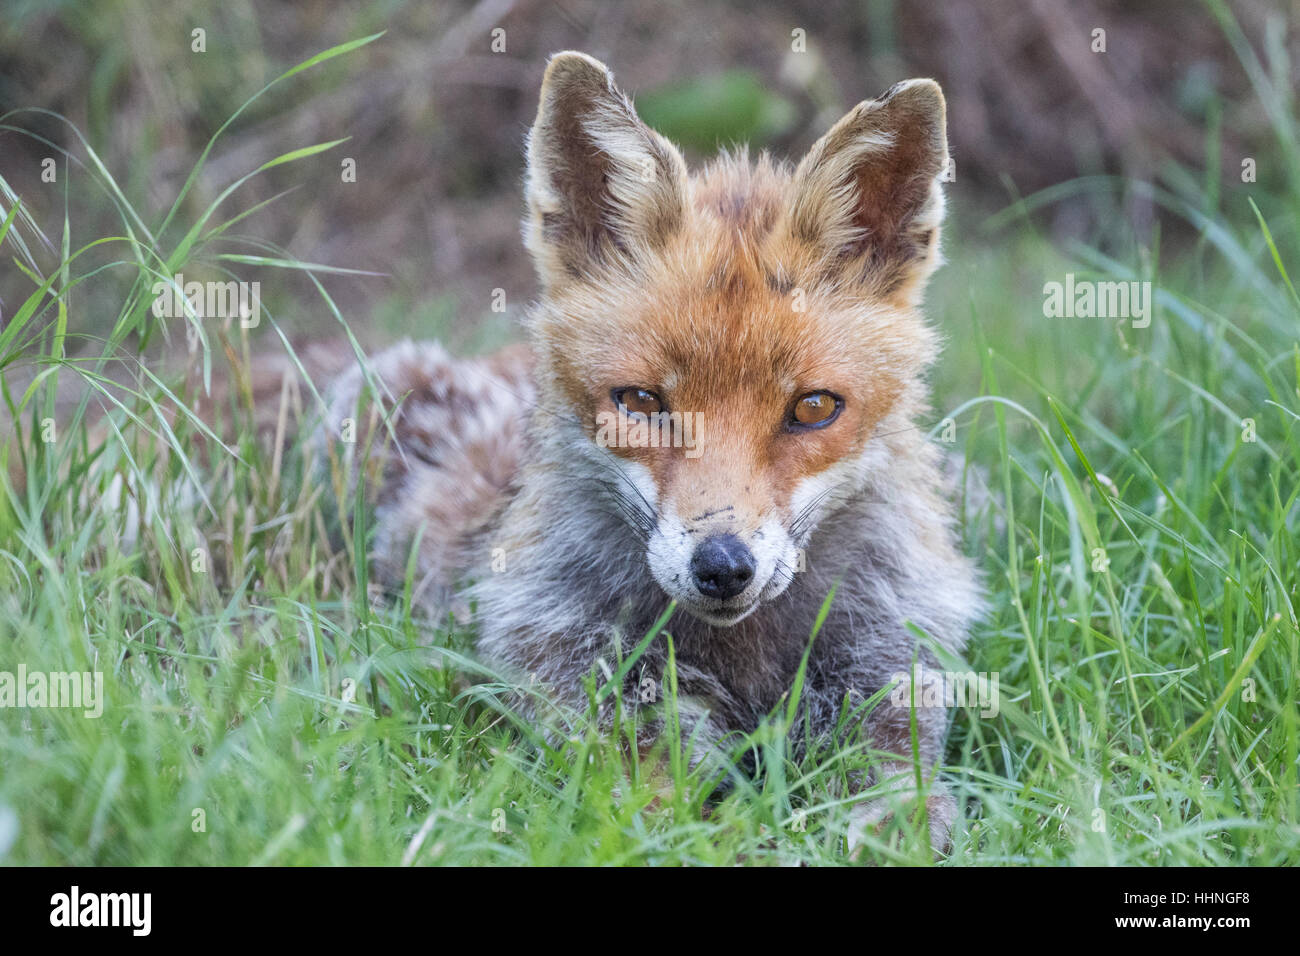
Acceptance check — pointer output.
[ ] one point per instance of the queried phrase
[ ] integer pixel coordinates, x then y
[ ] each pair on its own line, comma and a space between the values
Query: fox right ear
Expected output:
867, 195
602, 187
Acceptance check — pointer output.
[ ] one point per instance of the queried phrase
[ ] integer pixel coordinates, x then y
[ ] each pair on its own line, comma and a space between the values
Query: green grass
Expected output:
1140, 556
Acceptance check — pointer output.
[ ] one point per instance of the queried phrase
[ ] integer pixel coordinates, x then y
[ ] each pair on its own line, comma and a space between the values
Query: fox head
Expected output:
731, 349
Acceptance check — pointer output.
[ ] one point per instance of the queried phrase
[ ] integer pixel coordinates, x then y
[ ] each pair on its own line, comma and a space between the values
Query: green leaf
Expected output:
718, 109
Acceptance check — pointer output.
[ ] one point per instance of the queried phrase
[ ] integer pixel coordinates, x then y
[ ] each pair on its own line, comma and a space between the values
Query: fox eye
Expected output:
637, 401
815, 410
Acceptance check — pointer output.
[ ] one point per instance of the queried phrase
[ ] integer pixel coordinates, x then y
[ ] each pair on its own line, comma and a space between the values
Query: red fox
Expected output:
718, 406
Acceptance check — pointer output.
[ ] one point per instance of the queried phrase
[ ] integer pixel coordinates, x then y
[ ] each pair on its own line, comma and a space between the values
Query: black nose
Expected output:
722, 566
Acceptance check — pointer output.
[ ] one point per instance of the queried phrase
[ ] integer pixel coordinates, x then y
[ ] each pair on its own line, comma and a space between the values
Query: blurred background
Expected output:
437, 111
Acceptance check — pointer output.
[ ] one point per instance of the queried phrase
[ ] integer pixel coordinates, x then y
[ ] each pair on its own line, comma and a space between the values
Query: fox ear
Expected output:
867, 195
602, 187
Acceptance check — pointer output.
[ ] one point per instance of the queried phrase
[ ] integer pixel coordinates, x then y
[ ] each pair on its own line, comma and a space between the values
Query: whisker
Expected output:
629, 508
801, 521
649, 508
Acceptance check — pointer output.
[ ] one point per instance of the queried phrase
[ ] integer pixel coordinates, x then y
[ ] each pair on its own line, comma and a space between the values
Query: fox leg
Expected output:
889, 730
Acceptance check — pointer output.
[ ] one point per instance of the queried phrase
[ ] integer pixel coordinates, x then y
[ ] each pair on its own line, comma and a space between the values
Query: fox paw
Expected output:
873, 817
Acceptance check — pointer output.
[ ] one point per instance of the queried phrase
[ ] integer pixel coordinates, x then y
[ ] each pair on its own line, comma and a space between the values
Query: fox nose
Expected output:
722, 566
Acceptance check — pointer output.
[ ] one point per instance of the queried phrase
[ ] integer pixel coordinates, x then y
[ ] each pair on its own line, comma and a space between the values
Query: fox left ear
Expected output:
867, 195
602, 186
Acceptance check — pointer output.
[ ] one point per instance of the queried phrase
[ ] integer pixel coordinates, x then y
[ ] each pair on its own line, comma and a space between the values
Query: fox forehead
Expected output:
708, 325
731, 308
